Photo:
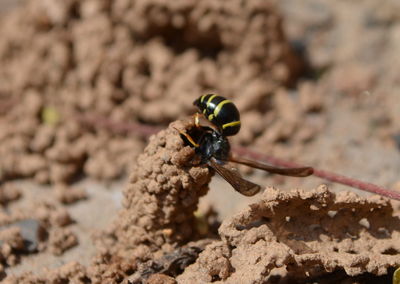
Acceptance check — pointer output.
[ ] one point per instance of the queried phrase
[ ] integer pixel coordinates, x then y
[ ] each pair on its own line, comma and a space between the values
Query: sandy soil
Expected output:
82, 83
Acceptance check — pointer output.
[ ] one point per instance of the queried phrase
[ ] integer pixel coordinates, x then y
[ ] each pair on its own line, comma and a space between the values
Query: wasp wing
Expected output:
294, 172
241, 185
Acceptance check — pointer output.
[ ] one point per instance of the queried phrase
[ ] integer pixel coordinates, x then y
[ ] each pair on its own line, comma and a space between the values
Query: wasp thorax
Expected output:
214, 145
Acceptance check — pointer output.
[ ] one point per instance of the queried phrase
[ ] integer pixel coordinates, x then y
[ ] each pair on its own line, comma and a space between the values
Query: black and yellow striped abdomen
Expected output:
221, 112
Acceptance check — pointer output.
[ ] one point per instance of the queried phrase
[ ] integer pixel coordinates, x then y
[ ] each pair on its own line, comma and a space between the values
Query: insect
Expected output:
218, 119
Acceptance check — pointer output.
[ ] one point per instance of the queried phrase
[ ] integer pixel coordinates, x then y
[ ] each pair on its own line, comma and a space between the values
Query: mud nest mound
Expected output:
306, 235
71, 67
143, 61
288, 235
161, 198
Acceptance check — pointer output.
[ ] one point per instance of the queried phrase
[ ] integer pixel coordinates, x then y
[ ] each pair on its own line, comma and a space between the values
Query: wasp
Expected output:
219, 118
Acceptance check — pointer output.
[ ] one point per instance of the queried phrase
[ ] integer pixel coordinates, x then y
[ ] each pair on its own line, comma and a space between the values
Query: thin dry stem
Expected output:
7, 104
330, 176
98, 121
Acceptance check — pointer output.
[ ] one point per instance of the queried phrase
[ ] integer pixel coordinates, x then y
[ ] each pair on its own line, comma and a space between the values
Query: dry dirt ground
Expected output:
348, 122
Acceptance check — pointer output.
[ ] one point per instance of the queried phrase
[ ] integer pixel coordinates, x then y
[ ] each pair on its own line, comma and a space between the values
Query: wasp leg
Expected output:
200, 121
197, 119
188, 138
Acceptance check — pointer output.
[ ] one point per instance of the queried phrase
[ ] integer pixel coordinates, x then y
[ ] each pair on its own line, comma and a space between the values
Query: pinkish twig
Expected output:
98, 121
320, 173
147, 130
7, 104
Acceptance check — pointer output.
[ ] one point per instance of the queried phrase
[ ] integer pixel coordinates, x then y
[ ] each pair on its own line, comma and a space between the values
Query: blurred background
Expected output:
83, 83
